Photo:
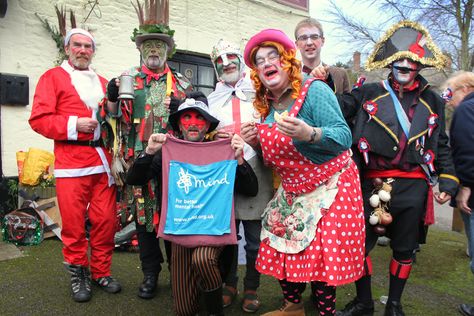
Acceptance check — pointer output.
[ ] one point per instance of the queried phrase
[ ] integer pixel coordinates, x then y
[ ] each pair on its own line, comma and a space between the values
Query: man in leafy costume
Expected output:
147, 113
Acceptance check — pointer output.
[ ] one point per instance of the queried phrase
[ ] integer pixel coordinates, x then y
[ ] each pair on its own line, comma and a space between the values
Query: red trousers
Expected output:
89, 195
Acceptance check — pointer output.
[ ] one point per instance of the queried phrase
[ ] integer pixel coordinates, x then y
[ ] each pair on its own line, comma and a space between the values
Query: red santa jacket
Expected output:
58, 103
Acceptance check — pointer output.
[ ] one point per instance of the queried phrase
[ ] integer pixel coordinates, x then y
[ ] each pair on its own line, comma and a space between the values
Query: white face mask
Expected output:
228, 68
404, 71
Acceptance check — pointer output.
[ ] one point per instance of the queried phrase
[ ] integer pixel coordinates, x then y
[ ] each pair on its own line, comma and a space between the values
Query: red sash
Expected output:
416, 174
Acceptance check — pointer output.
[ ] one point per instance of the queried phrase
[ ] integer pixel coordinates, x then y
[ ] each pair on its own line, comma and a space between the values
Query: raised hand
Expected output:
155, 142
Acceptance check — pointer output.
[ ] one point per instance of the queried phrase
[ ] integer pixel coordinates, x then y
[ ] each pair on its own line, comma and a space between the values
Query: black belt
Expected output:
90, 143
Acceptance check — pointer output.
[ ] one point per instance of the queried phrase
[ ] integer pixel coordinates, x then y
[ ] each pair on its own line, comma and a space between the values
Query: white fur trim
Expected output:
87, 85
97, 129
72, 128
78, 31
78, 172
105, 163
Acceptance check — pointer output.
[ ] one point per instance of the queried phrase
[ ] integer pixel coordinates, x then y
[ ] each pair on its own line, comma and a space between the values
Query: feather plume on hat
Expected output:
153, 19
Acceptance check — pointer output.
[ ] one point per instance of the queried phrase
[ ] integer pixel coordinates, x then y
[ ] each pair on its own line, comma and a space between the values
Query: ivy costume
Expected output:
145, 114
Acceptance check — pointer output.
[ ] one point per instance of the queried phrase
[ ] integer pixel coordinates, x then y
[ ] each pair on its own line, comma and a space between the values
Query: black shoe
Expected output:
357, 308
80, 282
148, 286
213, 301
466, 310
108, 284
393, 308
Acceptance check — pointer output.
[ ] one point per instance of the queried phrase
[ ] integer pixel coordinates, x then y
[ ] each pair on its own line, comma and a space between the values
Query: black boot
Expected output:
148, 287
357, 308
394, 308
80, 282
213, 300
466, 309
108, 284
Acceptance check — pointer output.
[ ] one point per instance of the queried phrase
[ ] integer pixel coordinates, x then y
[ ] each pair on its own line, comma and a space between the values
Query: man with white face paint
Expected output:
231, 104
404, 72
400, 141
154, 82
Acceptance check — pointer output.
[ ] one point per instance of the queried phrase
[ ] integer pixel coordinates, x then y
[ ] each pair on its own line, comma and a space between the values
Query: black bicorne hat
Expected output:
406, 39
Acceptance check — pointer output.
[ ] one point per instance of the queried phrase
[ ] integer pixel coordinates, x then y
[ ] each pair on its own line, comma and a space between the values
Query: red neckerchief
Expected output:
396, 85
306, 70
154, 75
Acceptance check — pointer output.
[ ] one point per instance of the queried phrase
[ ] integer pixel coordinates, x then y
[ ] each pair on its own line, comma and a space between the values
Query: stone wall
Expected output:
26, 47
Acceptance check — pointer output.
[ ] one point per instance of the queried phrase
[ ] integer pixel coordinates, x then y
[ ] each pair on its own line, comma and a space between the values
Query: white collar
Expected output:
223, 92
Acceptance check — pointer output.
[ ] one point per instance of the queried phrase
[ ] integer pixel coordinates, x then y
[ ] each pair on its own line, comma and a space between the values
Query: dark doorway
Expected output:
196, 68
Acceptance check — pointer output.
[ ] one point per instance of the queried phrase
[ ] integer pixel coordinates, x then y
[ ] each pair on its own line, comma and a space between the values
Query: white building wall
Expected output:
26, 48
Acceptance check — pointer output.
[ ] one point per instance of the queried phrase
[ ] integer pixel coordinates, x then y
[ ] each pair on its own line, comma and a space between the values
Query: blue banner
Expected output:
200, 198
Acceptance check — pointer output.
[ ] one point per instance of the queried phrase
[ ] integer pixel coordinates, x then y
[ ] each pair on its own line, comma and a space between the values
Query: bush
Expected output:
8, 195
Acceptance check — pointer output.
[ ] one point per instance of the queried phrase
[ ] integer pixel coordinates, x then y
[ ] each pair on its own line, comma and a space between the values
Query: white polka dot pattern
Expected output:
336, 255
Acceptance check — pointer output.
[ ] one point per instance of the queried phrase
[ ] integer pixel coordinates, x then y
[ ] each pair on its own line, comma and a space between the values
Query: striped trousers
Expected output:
193, 270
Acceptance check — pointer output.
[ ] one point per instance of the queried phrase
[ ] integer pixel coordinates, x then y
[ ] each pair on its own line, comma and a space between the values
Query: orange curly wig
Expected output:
289, 63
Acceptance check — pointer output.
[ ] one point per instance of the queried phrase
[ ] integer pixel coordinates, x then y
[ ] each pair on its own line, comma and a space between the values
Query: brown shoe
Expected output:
250, 304
288, 309
228, 295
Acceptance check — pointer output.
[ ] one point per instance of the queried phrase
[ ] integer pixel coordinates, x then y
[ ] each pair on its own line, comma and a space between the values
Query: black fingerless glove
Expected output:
112, 90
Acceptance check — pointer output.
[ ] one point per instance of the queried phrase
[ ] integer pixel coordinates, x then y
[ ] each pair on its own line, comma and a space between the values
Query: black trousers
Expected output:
151, 256
408, 208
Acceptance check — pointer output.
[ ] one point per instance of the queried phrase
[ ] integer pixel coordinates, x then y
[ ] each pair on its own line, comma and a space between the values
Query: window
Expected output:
197, 69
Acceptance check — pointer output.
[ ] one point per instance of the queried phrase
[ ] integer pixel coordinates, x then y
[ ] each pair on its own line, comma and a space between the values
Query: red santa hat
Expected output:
78, 31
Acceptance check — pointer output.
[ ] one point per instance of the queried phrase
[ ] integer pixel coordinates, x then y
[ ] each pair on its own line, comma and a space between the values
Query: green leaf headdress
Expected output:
153, 17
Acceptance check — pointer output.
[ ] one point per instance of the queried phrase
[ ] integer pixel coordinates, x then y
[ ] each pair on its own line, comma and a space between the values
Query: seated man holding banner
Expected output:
198, 181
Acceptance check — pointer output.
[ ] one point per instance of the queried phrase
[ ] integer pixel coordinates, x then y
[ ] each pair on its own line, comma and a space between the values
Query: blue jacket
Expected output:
462, 142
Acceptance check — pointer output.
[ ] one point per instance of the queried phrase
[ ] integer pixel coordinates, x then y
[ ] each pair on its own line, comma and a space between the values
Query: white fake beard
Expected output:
232, 77
87, 85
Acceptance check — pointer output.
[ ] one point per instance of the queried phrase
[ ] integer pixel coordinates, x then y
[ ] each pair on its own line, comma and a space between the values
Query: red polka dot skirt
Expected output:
336, 255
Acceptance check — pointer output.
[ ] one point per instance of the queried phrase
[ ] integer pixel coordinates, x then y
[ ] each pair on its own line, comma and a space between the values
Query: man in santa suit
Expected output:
65, 109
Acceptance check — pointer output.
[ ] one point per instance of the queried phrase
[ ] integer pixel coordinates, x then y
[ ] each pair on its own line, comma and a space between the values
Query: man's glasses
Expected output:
313, 37
271, 57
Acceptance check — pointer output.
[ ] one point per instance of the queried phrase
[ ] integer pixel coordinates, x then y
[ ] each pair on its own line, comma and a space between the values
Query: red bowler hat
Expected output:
272, 35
